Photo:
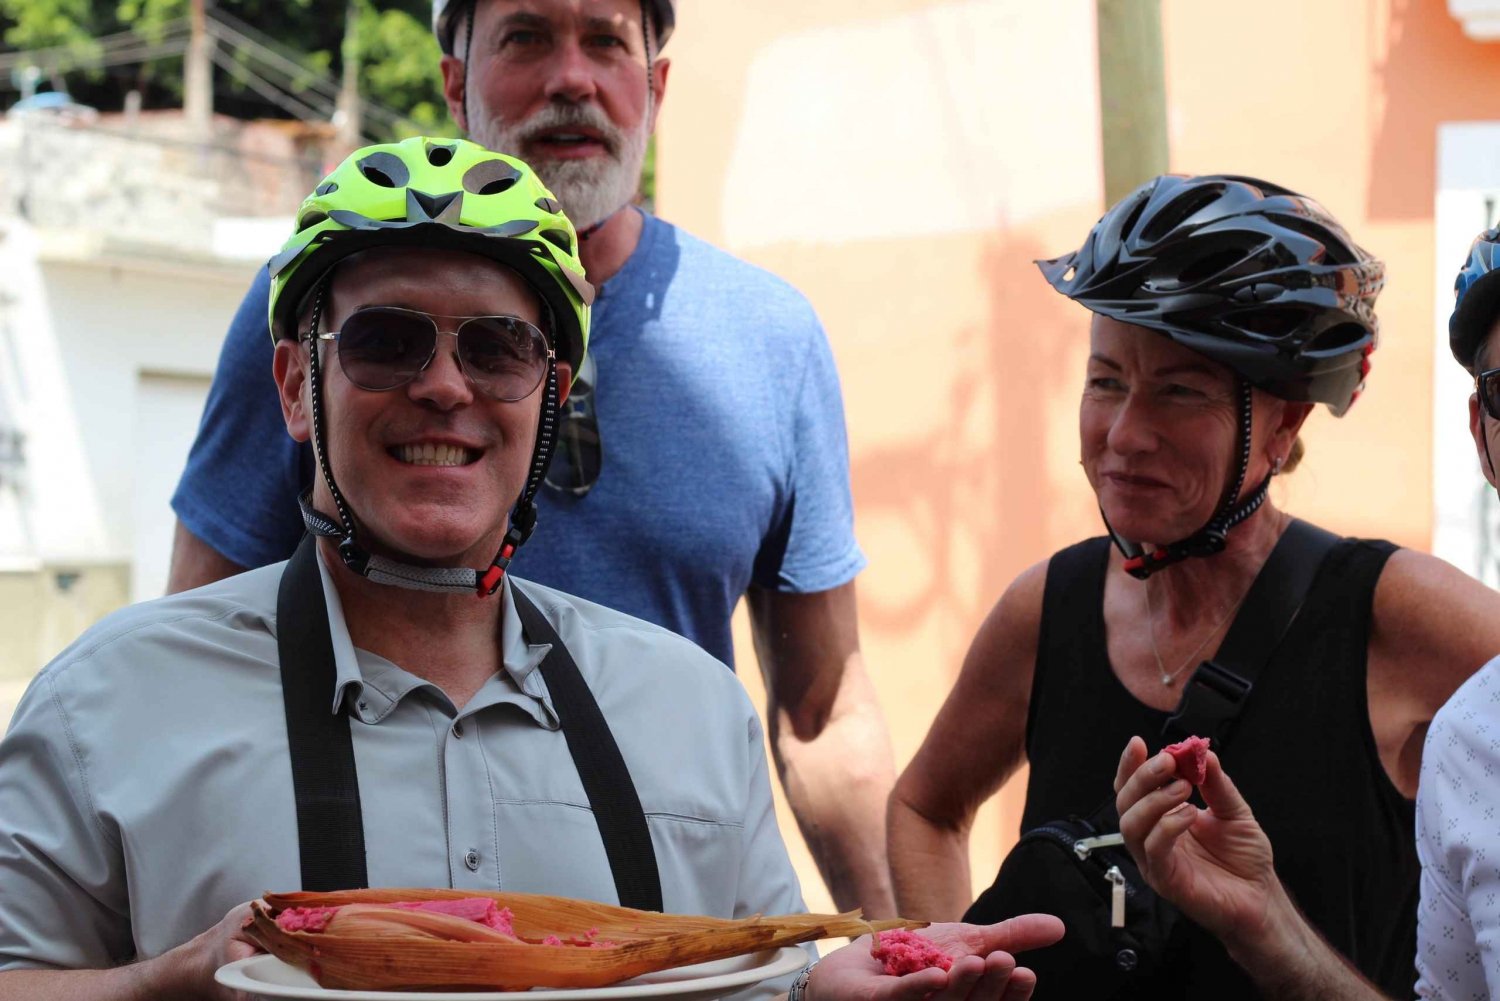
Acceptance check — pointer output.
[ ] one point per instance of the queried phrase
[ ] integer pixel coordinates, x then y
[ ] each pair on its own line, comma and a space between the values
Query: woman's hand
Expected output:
1214, 864
984, 971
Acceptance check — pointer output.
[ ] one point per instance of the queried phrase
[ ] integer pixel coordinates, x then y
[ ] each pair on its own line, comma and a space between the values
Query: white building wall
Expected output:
114, 354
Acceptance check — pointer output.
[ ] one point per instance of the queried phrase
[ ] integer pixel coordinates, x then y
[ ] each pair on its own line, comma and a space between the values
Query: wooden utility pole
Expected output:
198, 78
1132, 94
349, 116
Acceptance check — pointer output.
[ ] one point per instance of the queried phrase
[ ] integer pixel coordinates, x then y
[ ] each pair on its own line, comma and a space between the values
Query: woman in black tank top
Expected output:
1224, 309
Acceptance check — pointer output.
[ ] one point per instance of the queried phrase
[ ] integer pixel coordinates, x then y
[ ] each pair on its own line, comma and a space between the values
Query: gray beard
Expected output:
590, 190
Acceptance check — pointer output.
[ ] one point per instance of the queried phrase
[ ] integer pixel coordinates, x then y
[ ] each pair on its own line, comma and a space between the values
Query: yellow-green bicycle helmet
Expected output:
438, 193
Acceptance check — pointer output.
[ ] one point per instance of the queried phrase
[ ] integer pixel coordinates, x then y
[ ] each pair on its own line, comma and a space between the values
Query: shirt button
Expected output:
458, 729
471, 859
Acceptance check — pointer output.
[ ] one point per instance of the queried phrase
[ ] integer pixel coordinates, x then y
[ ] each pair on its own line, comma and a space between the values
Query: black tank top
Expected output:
1302, 753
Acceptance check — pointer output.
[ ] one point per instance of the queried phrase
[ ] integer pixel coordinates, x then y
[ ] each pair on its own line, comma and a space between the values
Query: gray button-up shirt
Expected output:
145, 784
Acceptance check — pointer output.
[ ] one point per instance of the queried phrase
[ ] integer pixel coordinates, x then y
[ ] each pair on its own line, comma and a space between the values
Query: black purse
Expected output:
1118, 928
1119, 931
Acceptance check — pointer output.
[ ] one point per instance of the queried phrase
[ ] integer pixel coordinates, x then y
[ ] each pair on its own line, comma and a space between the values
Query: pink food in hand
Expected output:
1191, 756
903, 952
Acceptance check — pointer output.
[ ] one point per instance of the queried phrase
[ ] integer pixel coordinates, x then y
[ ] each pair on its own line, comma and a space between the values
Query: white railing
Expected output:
139, 188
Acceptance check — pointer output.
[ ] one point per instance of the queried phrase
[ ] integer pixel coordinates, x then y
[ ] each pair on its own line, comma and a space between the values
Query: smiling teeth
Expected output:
435, 455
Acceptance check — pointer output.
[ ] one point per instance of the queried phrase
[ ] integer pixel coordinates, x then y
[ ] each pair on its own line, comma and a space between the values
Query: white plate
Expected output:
268, 977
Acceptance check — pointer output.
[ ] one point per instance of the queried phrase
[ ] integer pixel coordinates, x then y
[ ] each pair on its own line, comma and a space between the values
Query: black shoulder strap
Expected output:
1218, 689
330, 824
606, 779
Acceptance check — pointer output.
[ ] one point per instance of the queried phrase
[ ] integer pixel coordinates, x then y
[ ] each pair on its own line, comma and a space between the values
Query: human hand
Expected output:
1215, 865
224, 943
984, 969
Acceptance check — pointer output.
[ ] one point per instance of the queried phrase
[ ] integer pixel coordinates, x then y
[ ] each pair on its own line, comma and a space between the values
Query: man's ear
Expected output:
1476, 431
659, 70
289, 365
454, 80
564, 382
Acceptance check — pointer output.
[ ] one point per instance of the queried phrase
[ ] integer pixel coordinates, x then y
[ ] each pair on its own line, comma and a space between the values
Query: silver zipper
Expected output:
1116, 896
1083, 846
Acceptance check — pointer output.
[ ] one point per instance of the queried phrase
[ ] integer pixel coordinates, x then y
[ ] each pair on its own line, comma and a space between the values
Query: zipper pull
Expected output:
1116, 896
1083, 846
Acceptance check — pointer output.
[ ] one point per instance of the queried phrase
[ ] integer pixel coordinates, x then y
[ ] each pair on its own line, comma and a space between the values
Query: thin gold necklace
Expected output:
1167, 678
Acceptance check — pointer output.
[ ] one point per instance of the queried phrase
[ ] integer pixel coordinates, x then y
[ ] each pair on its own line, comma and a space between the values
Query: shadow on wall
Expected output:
1429, 72
998, 488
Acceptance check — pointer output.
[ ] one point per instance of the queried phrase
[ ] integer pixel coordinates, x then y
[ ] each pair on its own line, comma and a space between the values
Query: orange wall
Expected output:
902, 162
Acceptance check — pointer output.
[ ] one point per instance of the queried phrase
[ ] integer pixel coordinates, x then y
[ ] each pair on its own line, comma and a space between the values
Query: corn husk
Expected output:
381, 948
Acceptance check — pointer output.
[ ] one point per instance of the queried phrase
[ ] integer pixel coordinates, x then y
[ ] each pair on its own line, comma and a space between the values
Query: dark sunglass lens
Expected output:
579, 454
385, 348
505, 356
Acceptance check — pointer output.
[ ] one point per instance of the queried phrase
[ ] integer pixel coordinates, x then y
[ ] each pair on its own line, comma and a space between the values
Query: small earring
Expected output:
1276, 464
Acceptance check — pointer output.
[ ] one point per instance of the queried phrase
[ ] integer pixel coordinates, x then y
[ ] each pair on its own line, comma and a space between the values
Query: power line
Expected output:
120, 57
277, 75
265, 88
297, 76
108, 50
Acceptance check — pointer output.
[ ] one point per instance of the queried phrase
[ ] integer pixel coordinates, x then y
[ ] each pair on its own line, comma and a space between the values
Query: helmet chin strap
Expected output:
1212, 537
383, 570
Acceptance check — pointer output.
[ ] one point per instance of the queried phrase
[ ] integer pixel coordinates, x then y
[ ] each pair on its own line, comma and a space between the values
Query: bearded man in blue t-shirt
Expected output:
702, 455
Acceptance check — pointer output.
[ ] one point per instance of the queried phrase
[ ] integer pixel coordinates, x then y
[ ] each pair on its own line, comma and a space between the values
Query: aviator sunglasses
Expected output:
579, 454
385, 347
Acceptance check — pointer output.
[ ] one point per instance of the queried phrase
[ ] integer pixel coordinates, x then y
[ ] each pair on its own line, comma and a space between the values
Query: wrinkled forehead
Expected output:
1127, 344
618, 15
443, 282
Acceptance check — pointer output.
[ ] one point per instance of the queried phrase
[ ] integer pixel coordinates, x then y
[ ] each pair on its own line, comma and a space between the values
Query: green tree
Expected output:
397, 54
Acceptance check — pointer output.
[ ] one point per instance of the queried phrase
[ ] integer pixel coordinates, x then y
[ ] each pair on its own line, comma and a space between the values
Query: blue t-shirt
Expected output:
725, 459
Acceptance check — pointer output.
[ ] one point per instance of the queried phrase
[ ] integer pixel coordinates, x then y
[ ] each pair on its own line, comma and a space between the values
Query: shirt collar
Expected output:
375, 686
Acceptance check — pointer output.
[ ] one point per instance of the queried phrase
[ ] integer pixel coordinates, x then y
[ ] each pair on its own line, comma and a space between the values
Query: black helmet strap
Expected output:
1213, 536
382, 570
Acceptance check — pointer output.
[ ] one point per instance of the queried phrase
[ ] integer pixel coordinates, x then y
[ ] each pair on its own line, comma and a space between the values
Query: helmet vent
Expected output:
1179, 211
1314, 230
326, 188
384, 169
558, 238
439, 156
548, 205
310, 219
490, 177
1339, 339
1207, 267
1272, 324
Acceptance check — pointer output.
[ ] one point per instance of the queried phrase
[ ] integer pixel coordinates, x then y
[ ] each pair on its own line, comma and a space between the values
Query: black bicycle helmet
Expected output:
1256, 277
1476, 298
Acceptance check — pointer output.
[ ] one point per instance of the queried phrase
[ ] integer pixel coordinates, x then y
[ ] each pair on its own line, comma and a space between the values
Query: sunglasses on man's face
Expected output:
386, 347
1487, 386
579, 455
